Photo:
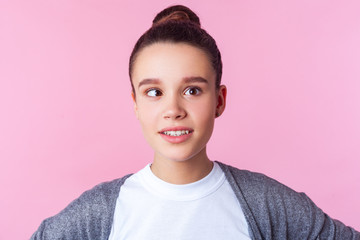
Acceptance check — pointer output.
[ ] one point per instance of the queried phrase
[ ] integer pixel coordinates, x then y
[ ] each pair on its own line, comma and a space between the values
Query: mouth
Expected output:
176, 133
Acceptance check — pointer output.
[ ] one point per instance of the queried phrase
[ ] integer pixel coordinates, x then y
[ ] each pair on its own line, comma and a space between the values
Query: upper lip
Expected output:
178, 128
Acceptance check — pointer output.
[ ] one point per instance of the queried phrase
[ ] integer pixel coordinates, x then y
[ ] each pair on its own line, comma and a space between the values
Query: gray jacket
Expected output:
272, 210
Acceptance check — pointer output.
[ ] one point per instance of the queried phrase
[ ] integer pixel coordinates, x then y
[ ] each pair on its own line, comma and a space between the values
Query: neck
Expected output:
182, 172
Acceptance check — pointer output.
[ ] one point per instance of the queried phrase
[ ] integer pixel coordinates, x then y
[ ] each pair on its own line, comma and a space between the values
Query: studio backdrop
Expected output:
67, 122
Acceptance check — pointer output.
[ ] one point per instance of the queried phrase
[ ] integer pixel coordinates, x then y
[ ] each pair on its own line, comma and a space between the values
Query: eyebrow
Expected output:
149, 81
186, 80
195, 80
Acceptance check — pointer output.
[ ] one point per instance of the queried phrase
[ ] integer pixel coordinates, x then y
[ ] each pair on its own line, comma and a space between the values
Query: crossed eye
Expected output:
153, 92
192, 91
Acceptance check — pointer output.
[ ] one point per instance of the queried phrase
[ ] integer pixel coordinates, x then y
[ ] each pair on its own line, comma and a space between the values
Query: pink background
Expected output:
292, 69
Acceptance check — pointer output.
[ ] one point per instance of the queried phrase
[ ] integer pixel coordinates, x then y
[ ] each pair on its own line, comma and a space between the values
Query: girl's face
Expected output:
176, 100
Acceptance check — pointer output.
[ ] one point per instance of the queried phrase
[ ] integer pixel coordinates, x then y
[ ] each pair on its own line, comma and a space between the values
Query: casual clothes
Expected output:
272, 211
152, 209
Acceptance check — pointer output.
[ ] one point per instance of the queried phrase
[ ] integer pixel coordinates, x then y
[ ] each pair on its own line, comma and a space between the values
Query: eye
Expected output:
153, 92
192, 91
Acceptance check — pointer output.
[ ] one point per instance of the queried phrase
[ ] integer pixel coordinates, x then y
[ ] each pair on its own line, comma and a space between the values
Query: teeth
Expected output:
176, 133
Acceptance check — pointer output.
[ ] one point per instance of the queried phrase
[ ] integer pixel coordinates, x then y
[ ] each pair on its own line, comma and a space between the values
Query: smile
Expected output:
176, 133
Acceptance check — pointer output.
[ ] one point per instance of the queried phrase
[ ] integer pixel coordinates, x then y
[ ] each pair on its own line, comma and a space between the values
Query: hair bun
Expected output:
176, 13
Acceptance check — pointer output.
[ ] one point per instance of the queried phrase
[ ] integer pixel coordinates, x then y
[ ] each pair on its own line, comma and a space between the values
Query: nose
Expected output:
174, 109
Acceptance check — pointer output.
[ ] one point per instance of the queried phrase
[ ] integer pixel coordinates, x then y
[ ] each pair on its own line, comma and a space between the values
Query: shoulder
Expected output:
276, 211
102, 193
263, 194
252, 182
97, 200
87, 217
259, 189
268, 203
253, 185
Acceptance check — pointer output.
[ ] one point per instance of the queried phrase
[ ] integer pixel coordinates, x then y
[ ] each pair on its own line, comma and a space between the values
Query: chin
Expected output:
177, 158
181, 156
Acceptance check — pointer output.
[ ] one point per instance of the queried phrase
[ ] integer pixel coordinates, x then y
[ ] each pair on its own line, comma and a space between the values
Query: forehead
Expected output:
172, 60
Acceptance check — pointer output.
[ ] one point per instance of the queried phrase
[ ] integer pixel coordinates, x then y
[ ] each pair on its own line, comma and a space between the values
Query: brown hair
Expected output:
179, 24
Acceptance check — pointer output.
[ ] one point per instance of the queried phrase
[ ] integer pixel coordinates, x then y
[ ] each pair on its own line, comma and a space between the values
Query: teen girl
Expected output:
175, 71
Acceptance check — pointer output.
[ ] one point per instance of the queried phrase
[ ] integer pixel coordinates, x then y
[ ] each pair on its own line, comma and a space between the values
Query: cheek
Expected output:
144, 116
147, 115
205, 111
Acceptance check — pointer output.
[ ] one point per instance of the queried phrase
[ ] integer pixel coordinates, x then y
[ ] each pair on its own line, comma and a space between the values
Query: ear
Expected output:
135, 105
221, 100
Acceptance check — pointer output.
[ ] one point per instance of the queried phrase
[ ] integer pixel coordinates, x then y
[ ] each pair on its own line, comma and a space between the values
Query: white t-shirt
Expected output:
150, 208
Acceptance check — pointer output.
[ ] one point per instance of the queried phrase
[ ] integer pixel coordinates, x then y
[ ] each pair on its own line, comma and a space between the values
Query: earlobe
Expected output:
221, 100
135, 105
133, 96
